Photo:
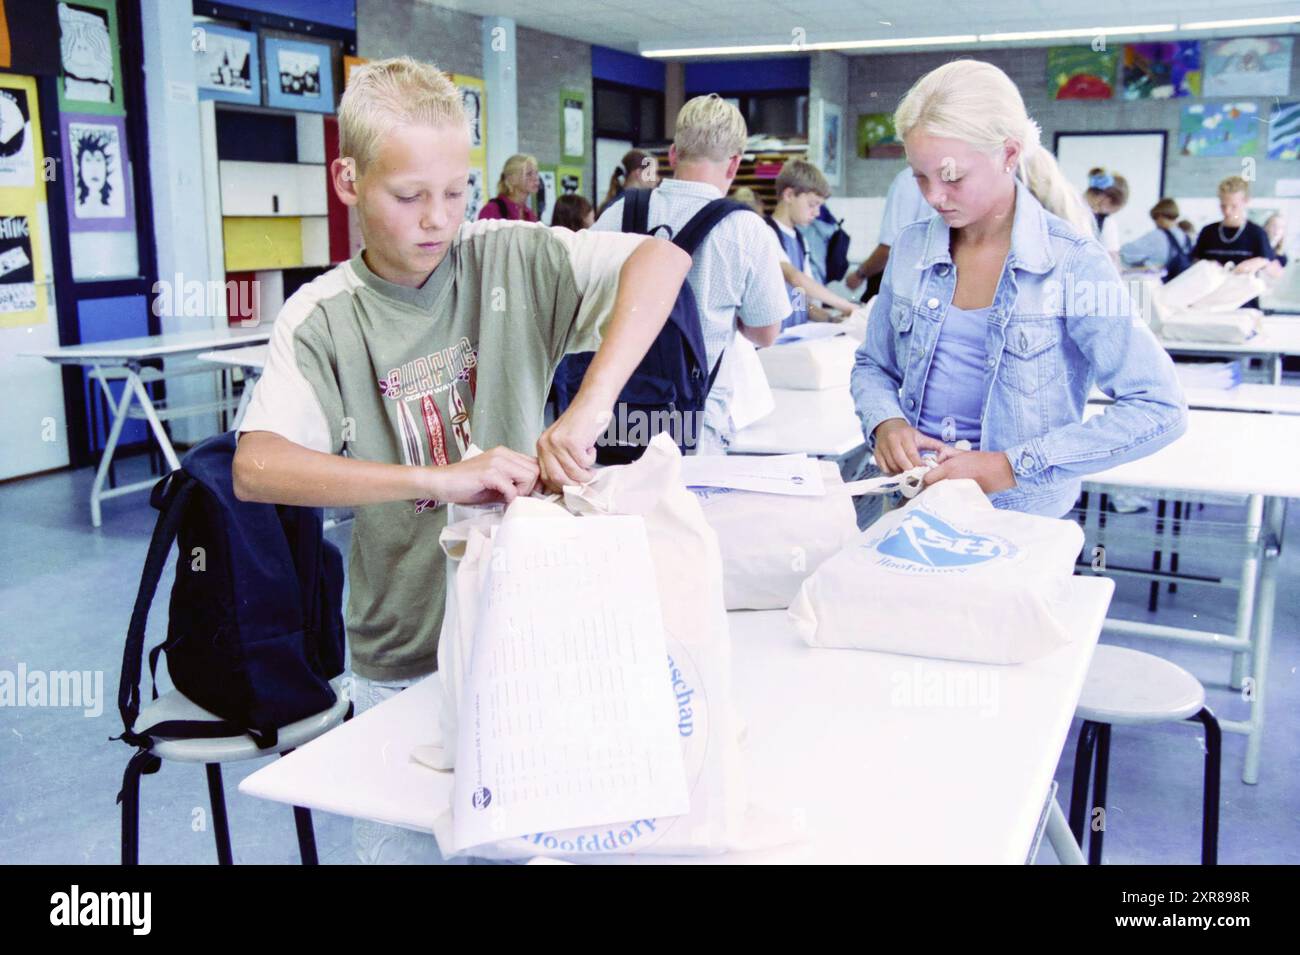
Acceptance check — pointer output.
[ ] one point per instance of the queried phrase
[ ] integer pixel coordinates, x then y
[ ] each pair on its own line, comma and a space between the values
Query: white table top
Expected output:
875, 781
1279, 399
1280, 336
1222, 452
154, 346
814, 422
249, 356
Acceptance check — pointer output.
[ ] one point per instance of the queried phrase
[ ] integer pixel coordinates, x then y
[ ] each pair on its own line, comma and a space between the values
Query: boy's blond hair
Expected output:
394, 92
709, 128
1234, 184
801, 176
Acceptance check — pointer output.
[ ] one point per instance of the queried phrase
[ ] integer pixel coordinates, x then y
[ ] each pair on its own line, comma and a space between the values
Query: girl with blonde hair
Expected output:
996, 317
518, 183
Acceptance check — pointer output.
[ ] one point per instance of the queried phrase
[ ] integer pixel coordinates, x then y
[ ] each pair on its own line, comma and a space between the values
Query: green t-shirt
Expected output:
382, 372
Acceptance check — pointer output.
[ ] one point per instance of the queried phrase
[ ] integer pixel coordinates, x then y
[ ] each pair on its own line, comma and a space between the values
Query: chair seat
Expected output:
1128, 687
175, 705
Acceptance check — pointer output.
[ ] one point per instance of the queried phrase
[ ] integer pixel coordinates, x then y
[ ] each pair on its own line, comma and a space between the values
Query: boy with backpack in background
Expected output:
436, 335
801, 189
735, 273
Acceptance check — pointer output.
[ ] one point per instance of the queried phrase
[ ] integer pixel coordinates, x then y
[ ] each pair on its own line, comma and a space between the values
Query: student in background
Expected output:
904, 205
976, 335
801, 189
750, 198
389, 358
736, 273
1236, 241
573, 212
1164, 247
1107, 194
1188, 230
638, 170
518, 183
1275, 229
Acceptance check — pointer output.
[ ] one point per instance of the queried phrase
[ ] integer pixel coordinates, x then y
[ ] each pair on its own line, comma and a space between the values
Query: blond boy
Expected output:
437, 335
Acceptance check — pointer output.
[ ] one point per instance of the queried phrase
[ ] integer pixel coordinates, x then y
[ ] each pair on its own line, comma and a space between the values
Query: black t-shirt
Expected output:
1247, 243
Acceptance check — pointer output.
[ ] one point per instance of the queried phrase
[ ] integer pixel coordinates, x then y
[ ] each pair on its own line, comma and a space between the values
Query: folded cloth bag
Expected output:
772, 542
947, 576
1213, 327
809, 365
688, 577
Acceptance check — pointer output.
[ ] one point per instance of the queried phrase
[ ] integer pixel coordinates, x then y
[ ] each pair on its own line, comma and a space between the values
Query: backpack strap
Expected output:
803, 246
170, 496
501, 207
695, 231
636, 211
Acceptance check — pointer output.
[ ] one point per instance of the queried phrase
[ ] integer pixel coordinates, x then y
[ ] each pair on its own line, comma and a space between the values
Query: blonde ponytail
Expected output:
976, 103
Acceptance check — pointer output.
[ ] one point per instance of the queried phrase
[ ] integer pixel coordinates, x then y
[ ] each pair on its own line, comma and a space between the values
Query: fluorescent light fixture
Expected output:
1228, 24
1078, 32
803, 47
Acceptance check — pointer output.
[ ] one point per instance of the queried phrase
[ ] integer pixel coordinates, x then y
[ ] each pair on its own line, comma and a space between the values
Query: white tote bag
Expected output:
688, 580
772, 542
947, 576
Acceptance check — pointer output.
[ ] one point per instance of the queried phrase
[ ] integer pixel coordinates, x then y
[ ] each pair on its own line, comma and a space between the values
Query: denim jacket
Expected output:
1061, 321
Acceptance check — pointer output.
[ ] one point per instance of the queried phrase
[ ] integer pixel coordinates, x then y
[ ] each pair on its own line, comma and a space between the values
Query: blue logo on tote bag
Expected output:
928, 541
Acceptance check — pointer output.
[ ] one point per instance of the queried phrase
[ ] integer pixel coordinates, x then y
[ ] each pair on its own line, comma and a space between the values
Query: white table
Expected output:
820, 423
1279, 338
251, 359
1273, 399
1223, 452
874, 781
124, 357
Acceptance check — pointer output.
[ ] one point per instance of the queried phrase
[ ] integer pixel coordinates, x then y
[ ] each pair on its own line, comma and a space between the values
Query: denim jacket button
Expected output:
1026, 461
942, 270
933, 303
911, 403
989, 361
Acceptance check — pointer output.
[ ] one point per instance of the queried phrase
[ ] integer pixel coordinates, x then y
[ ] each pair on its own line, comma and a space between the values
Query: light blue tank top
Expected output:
954, 388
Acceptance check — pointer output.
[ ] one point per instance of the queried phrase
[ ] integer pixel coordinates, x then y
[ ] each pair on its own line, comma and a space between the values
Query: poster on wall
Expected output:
1080, 72
876, 137
568, 181
1248, 66
473, 95
22, 290
97, 184
350, 63
18, 158
1219, 129
545, 199
573, 122
90, 67
828, 153
226, 65
299, 76
1284, 132
474, 192
1161, 70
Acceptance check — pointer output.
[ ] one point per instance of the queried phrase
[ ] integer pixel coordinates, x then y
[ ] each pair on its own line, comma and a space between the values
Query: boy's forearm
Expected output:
813, 289
647, 288
271, 469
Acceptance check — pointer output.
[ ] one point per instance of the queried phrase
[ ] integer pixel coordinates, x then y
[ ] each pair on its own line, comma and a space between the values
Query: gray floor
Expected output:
66, 592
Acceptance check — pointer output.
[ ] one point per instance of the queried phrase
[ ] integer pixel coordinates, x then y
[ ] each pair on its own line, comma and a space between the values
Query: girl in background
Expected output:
638, 170
518, 183
1107, 194
573, 212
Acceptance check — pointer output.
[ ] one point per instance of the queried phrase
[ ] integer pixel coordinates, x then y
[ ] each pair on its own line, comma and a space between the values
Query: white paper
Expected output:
794, 474
568, 718
751, 396
810, 331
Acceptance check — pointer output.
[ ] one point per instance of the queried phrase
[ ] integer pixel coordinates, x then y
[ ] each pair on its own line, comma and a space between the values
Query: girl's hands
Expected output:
899, 446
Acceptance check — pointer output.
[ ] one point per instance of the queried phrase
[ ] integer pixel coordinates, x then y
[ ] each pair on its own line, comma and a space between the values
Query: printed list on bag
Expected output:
568, 719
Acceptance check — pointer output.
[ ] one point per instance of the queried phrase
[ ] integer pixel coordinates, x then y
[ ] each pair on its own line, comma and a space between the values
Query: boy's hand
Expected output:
496, 476
853, 280
567, 449
991, 470
899, 446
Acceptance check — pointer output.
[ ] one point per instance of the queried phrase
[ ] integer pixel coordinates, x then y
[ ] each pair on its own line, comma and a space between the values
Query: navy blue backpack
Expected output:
255, 631
668, 389
1180, 260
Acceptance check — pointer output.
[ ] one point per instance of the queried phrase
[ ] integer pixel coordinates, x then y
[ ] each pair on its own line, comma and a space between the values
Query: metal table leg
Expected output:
1265, 598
